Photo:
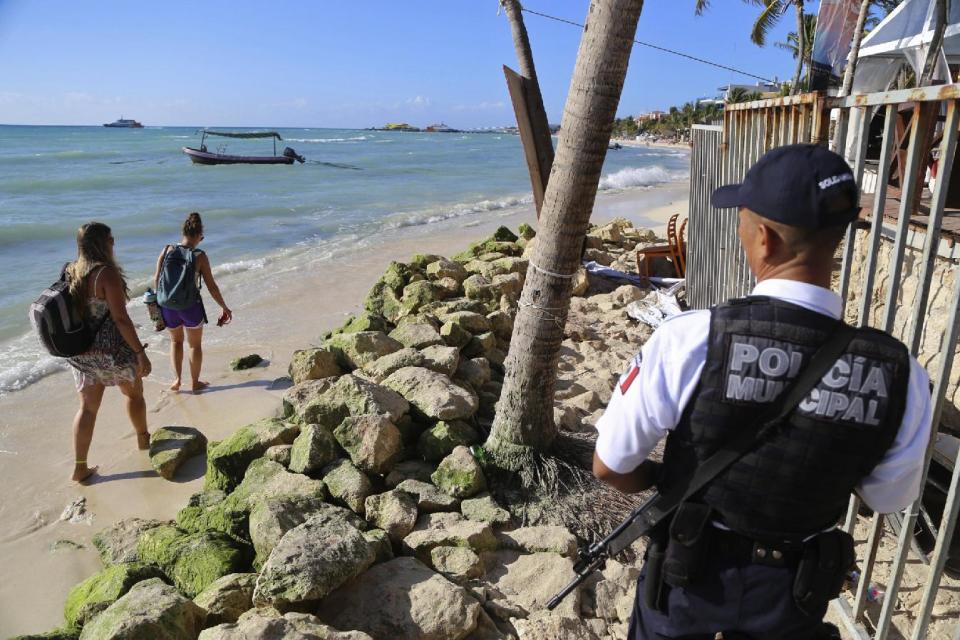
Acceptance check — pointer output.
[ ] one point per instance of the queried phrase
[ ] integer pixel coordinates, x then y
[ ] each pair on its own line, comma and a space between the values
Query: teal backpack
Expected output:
178, 287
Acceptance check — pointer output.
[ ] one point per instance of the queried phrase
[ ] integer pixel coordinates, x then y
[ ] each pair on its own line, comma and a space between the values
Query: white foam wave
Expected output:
22, 362
322, 140
639, 177
432, 216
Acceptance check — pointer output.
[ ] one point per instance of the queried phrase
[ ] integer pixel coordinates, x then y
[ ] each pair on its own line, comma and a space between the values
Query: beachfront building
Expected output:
652, 116
765, 89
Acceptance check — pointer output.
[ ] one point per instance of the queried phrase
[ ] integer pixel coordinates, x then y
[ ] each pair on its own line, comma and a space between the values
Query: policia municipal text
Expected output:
756, 553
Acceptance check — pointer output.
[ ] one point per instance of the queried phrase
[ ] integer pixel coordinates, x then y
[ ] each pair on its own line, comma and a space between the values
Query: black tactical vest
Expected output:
798, 480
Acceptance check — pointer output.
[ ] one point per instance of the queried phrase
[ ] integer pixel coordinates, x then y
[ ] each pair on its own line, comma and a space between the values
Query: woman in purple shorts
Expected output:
187, 259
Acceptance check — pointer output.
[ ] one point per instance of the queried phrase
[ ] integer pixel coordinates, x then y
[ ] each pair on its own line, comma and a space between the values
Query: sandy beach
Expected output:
277, 310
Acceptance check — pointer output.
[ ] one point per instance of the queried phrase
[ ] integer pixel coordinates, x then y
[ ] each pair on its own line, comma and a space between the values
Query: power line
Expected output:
657, 47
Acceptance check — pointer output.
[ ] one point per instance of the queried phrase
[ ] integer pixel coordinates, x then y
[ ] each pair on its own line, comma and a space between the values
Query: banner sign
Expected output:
831, 44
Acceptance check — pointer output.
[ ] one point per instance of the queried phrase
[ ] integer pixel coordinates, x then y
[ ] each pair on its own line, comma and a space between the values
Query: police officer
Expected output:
765, 527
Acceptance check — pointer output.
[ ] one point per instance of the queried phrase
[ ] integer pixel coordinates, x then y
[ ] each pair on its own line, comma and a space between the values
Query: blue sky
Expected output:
327, 63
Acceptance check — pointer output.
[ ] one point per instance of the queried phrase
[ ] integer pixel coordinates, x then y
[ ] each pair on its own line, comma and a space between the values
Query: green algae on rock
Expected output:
228, 460
102, 589
192, 560
151, 609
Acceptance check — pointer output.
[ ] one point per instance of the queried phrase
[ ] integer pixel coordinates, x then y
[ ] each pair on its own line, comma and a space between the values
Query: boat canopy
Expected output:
242, 134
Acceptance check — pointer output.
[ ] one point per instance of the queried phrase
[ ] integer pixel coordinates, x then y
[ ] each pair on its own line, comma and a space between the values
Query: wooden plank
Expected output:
535, 136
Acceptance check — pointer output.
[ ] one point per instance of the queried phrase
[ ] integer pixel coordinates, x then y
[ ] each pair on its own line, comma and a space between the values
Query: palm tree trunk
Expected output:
801, 46
538, 114
524, 419
855, 49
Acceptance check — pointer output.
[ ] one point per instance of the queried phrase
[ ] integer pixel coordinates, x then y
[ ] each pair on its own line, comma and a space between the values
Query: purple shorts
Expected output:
188, 318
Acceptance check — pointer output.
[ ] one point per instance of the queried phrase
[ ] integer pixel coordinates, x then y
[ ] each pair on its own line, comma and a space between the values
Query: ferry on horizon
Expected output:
124, 124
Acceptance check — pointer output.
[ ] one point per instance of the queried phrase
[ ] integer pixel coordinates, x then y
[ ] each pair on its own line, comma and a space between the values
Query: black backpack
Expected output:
177, 287
62, 331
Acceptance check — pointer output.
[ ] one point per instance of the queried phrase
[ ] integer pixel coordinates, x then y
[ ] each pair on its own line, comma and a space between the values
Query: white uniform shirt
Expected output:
650, 398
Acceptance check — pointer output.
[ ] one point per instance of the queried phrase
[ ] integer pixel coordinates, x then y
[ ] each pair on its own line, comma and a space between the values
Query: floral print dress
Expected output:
110, 359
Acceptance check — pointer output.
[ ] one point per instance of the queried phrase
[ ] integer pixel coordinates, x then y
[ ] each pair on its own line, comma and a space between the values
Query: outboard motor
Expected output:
288, 152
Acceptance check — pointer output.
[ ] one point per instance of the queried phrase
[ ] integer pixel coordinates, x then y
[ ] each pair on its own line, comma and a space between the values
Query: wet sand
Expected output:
276, 310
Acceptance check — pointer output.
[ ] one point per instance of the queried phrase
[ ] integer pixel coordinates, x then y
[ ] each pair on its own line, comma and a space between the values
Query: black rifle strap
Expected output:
658, 508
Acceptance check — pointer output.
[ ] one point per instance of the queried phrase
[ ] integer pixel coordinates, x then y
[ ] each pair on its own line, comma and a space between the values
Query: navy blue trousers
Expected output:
734, 596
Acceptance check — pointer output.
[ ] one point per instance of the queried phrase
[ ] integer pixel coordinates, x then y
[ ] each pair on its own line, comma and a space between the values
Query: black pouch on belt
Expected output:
823, 565
655, 592
689, 544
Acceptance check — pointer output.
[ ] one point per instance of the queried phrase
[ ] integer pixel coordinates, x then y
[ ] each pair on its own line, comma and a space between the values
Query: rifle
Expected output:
591, 558
659, 506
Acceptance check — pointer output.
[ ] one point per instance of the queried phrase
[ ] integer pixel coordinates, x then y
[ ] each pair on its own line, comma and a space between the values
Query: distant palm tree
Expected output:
772, 11
737, 94
793, 41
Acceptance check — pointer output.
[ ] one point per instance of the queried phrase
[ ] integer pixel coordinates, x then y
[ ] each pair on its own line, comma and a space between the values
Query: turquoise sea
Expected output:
355, 183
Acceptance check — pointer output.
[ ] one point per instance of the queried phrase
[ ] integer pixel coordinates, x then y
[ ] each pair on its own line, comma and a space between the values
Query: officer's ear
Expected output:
769, 242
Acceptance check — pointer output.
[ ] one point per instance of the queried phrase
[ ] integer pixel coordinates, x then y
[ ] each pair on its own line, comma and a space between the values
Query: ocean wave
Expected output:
434, 215
322, 140
639, 177
22, 362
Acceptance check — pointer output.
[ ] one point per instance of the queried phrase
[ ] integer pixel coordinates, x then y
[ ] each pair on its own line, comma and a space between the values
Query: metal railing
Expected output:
717, 270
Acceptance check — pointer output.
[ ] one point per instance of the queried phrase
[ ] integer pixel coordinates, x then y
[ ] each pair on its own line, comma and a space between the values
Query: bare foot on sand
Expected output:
200, 385
175, 386
82, 473
143, 441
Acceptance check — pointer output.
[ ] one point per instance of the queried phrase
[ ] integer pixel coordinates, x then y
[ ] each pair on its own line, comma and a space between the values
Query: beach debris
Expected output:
403, 598
59, 546
246, 362
656, 307
312, 560
150, 609
76, 512
171, 446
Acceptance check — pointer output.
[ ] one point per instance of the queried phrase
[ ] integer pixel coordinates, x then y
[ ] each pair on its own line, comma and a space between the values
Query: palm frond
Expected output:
701, 6
767, 19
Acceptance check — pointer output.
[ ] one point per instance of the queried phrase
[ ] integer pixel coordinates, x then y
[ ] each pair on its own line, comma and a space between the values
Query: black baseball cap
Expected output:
799, 185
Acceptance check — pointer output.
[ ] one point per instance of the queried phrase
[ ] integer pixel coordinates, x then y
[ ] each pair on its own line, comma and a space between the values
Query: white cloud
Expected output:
481, 106
418, 101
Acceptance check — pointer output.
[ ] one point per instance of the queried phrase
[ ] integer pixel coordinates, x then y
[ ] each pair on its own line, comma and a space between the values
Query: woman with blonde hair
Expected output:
117, 357
180, 270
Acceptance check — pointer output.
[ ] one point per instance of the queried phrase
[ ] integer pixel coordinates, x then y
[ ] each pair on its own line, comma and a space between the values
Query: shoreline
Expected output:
291, 310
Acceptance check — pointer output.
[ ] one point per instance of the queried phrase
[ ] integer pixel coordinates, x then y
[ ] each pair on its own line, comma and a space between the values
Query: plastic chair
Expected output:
670, 250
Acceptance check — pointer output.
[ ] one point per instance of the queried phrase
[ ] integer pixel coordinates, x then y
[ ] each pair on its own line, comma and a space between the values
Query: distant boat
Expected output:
125, 124
441, 128
204, 156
